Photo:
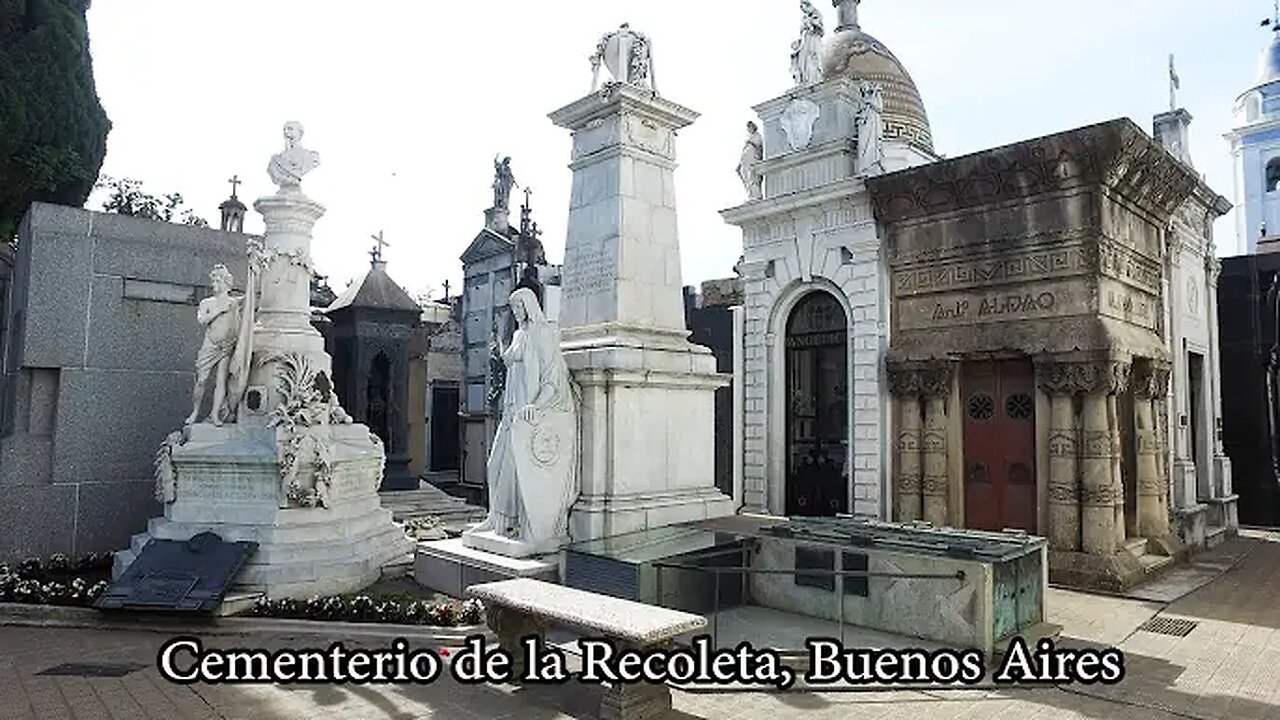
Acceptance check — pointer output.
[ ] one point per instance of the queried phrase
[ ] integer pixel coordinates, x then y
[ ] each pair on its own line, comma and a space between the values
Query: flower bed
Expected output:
364, 609
56, 581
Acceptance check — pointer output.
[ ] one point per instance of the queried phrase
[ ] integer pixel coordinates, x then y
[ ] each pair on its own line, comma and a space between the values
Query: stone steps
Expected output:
431, 501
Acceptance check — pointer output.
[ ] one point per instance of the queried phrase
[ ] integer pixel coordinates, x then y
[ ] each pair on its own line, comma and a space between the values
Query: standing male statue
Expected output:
287, 168
220, 316
503, 181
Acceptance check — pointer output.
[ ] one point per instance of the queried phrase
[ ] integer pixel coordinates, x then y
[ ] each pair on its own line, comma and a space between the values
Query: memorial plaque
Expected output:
178, 576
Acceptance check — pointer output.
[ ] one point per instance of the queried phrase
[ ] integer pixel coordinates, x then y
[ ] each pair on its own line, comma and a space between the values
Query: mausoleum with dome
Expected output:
1016, 339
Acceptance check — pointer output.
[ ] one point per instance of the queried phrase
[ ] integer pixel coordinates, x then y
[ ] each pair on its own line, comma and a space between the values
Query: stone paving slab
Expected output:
1227, 668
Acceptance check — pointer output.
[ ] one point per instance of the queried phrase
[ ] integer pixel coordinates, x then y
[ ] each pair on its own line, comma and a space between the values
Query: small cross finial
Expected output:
379, 244
446, 290
235, 181
1174, 84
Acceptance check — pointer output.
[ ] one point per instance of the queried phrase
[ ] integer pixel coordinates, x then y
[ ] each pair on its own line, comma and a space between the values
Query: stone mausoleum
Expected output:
372, 327
1022, 338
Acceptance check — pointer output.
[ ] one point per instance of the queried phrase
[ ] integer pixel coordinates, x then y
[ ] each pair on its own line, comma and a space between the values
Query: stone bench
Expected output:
522, 607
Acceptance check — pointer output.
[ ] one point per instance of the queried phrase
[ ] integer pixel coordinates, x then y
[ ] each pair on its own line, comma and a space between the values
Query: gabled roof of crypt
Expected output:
487, 244
376, 290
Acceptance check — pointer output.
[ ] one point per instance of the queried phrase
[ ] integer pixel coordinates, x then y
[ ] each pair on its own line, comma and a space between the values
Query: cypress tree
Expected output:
53, 129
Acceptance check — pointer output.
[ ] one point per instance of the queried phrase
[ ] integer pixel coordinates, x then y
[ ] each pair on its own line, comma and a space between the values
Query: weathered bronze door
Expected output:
817, 407
999, 445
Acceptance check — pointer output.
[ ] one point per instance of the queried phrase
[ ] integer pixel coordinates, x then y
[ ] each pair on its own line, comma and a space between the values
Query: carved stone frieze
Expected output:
1032, 266
908, 483
1099, 496
1064, 493
935, 485
1095, 444
1083, 378
1116, 154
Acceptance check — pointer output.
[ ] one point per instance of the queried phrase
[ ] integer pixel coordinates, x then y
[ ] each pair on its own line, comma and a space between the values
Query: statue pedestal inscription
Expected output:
647, 410
278, 462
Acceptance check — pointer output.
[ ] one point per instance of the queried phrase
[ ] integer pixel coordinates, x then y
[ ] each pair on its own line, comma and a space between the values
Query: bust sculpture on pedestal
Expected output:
288, 167
532, 466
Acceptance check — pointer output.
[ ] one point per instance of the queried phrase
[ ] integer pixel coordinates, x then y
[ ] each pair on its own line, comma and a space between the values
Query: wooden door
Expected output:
999, 445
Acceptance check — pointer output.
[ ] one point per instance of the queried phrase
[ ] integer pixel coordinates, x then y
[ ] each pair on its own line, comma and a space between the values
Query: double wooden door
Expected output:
998, 403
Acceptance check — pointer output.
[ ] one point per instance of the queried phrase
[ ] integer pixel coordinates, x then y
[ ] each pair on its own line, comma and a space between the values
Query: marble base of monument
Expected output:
492, 542
228, 483
648, 431
450, 567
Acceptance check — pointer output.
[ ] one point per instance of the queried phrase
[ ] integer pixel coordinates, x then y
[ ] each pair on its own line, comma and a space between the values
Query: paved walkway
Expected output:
1227, 668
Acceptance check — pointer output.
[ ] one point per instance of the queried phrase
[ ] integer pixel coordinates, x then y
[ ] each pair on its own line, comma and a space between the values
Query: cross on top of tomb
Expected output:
235, 182
379, 244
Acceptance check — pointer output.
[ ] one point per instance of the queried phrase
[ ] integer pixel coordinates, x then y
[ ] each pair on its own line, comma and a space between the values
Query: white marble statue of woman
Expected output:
752, 154
532, 466
871, 129
806, 53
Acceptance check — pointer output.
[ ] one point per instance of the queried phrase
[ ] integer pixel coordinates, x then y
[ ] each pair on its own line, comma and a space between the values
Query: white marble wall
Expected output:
829, 246
1202, 484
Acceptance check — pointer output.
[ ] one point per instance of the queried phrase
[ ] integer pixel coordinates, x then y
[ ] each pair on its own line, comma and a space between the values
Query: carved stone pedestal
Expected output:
323, 535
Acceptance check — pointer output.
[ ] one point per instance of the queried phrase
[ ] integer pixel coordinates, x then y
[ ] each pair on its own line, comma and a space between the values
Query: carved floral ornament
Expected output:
1109, 377
930, 380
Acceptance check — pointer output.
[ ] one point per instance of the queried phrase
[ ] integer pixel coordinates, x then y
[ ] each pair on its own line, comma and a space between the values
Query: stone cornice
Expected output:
1116, 154
617, 98
791, 202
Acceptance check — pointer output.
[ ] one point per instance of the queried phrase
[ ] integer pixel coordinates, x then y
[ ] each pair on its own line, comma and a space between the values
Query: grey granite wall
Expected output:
101, 342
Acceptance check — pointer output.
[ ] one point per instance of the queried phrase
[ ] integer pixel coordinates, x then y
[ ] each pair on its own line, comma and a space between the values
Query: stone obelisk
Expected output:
648, 394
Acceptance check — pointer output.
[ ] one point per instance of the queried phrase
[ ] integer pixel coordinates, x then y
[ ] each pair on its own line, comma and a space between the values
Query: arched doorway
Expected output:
379, 399
817, 427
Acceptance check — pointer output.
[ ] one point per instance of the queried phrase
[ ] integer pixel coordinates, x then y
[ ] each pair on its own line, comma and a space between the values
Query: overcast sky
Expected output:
408, 101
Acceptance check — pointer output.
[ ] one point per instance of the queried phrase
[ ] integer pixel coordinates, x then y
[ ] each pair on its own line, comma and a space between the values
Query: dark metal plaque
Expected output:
178, 576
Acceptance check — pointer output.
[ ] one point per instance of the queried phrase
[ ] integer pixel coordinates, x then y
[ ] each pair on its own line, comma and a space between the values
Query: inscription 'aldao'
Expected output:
1018, 304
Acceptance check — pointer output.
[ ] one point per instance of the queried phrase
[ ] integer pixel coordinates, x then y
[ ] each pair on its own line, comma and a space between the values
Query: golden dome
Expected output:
856, 55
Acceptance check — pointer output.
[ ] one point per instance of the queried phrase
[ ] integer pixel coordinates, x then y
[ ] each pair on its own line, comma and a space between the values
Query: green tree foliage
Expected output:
53, 130
128, 198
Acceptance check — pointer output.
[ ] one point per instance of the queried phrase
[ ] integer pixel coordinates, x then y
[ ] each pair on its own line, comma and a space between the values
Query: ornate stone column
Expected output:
1120, 376
935, 386
1153, 514
1059, 382
904, 386
1099, 493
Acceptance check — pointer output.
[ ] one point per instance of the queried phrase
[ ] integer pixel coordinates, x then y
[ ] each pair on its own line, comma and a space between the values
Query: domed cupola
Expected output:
854, 54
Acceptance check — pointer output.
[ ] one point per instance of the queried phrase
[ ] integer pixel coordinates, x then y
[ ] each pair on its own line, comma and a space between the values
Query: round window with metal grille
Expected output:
1019, 406
981, 407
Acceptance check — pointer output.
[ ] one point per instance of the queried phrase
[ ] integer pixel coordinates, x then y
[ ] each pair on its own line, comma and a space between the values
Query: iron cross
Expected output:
235, 181
446, 289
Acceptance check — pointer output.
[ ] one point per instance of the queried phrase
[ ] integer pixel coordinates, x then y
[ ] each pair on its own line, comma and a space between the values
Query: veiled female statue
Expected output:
532, 466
